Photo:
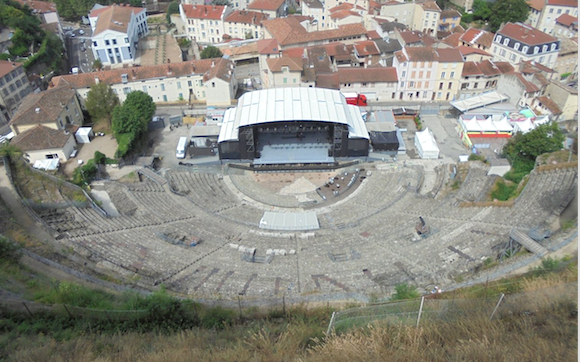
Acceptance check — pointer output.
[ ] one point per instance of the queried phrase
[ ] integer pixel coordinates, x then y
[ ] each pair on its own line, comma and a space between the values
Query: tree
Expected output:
405, 291
211, 52
134, 114
101, 101
97, 64
172, 9
249, 35
522, 149
481, 10
508, 11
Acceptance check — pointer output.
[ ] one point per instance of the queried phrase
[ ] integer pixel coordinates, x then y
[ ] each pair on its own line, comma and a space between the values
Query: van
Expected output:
181, 147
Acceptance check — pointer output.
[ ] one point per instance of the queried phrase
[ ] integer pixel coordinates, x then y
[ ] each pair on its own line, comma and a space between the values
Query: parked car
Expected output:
81, 32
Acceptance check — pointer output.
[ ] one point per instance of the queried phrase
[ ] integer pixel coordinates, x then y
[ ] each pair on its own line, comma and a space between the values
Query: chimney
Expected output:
13, 65
212, 63
97, 80
169, 70
37, 110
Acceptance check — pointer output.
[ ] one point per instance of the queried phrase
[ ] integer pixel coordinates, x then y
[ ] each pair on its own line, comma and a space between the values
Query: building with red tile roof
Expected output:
206, 23
41, 142
187, 81
245, 24
543, 13
566, 27
14, 87
289, 32
477, 38
481, 76
473, 54
274, 8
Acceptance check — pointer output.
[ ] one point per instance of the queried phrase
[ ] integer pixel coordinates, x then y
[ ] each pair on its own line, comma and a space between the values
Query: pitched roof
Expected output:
525, 34
43, 107
247, 48
367, 47
276, 64
247, 17
222, 69
465, 50
213, 12
367, 75
449, 55
265, 4
452, 39
421, 54
114, 17
327, 80
450, 13
341, 14
288, 31
315, 4
550, 104
429, 5
532, 67
486, 68
40, 138
537, 4
415, 36
294, 52
470, 68
529, 86
7, 66
114, 76
477, 36
567, 20
572, 3
268, 46
41, 7
389, 26
373, 35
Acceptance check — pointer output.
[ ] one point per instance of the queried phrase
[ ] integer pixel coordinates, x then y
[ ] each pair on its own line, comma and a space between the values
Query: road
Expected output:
74, 44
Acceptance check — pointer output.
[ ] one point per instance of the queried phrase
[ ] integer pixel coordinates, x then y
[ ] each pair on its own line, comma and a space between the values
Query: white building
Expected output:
519, 42
419, 15
116, 32
204, 23
543, 13
245, 24
209, 81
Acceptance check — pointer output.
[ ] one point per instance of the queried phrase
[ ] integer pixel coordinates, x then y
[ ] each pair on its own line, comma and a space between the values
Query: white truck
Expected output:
181, 150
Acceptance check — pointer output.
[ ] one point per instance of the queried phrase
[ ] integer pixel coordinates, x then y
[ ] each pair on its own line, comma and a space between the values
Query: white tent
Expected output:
426, 145
84, 135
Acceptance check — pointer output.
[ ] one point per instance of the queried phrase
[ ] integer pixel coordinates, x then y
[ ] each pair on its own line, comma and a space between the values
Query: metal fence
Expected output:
430, 308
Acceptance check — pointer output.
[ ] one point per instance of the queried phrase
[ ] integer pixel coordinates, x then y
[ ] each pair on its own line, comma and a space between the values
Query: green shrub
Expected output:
503, 191
405, 291
99, 158
125, 141
85, 174
75, 295
218, 318
476, 157
467, 18
8, 250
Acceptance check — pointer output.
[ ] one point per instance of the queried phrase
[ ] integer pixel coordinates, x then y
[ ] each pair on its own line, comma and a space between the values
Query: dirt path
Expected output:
570, 249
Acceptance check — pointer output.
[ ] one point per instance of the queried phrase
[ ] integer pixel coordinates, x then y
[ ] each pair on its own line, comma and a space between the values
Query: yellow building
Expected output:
448, 76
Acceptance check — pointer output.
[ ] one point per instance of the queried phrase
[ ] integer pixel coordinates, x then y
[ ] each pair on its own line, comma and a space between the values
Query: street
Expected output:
79, 48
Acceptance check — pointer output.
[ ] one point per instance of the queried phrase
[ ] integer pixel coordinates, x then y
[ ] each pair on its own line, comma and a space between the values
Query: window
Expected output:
442, 75
95, 43
180, 96
107, 42
498, 38
427, 15
18, 84
439, 95
421, 75
424, 94
127, 90
162, 87
553, 47
449, 85
513, 57
114, 41
452, 75
213, 84
189, 83
475, 85
164, 98
506, 41
404, 74
551, 11
285, 80
402, 85
144, 89
559, 11
541, 59
502, 53
525, 49
178, 85
544, 48
517, 46
536, 50
411, 84
126, 40
440, 85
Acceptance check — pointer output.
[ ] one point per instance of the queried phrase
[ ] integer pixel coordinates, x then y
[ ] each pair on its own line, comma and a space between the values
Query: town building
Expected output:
194, 81
449, 20
205, 23
272, 8
477, 38
479, 77
543, 13
14, 87
41, 142
516, 42
245, 24
566, 27
116, 32
57, 108
422, 15
567, 62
